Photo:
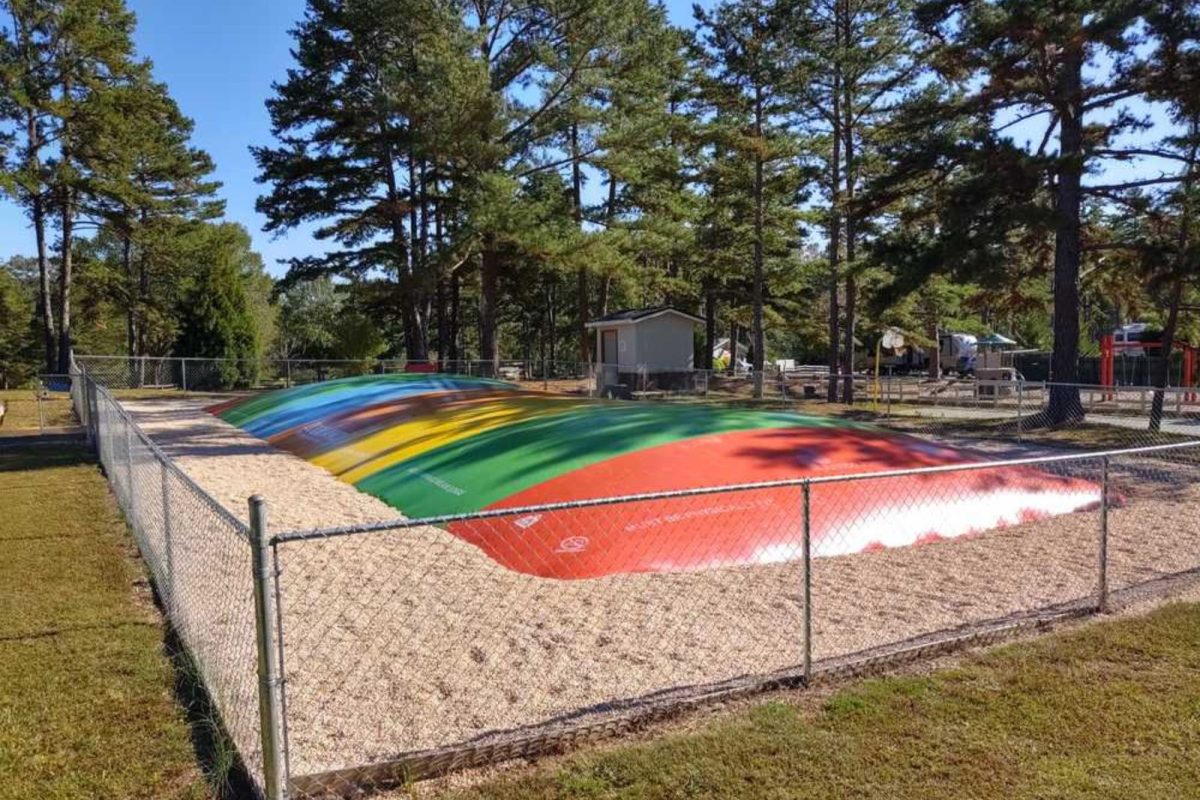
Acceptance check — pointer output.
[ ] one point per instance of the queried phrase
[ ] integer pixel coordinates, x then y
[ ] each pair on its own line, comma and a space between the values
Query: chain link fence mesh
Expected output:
1154, 522
44, 406
417, 646
411, 640
198, 557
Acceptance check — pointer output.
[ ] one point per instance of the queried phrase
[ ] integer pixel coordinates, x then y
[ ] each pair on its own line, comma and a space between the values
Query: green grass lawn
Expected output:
22, 410
87, 708
1108, 711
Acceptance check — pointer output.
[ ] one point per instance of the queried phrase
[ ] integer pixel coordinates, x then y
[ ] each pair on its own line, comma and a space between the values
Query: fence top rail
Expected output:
84, 359
401, 523
803, 371
240, 527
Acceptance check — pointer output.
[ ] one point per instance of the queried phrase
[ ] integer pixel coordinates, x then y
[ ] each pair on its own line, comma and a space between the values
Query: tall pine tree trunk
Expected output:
758, 337
848, 332
455, 316
1163, 378
835, 244
610, 215
1064, 405
67, 233
45, 307
489, 290
131, 327
143, 303
733, 347
585, 349
552, 317
37, 209
851, 170
65, 278
1182, 245
403, 251
935, 358
710, 327
416, 343
37, 201
443, 325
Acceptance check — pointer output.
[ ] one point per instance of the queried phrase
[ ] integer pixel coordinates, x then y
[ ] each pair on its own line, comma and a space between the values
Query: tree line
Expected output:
129, 253
485, 176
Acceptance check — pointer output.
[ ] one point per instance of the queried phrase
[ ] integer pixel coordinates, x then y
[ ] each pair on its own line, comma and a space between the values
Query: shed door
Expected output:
608, 347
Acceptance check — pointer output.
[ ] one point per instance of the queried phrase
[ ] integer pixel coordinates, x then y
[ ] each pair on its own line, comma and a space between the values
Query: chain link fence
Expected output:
370, 655
199, 558
955, 400
44, 407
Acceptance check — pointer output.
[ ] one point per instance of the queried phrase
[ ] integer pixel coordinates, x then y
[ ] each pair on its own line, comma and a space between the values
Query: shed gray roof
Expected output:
630, 316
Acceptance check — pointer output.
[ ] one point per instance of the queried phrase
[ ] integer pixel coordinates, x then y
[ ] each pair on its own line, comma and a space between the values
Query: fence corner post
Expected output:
269, 684
807, 491
1102, 578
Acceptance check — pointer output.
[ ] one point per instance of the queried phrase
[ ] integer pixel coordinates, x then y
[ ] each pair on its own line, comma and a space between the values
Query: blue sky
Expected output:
219, 58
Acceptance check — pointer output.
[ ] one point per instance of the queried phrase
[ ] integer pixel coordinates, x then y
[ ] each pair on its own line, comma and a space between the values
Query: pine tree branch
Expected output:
549, 103
1118, 187
556, 164
1133, 152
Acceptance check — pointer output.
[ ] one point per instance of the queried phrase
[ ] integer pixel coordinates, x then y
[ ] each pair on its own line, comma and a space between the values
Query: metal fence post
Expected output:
807, 490
129, 507
86, 410
89, 405
265, 618
1102, 582
166, 516
1020, 406
183, 372
94, 414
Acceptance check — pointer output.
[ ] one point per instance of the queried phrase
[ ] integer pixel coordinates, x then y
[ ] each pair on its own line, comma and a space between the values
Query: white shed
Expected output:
645, 344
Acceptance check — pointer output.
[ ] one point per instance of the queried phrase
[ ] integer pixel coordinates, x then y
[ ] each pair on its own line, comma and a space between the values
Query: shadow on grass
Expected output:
27, 458
223, 769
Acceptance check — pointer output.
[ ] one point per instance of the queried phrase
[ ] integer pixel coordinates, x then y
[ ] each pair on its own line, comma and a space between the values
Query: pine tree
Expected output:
849, 63
92, 55
651, 156
18, 336
1024, 63
146, 181
562, 51
1171, 261
354, 119
744, 55
27, 80
216, 312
